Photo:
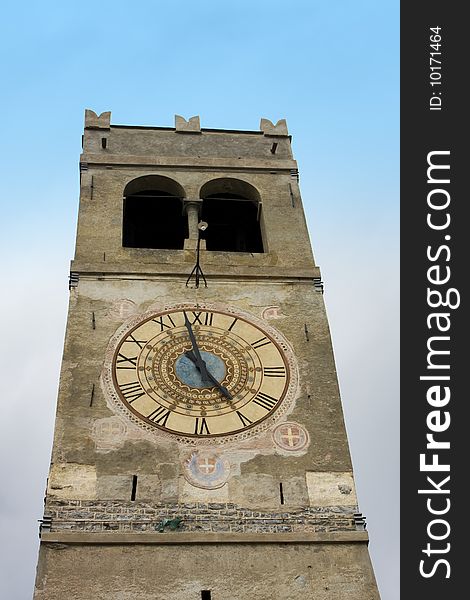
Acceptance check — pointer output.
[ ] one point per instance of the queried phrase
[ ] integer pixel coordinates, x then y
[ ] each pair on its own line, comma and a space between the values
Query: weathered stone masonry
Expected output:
91, 516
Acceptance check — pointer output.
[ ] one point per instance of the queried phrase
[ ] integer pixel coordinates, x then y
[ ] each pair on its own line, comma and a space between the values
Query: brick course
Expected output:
84, 515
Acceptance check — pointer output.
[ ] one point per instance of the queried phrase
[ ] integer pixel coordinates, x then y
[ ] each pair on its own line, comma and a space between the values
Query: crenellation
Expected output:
269, 129
192, 125
95, 121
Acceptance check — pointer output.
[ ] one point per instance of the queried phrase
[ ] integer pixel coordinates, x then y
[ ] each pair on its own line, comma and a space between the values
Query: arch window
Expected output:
153, 214
231, 208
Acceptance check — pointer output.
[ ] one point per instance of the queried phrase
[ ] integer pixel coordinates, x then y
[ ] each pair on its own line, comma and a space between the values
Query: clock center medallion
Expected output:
189, 374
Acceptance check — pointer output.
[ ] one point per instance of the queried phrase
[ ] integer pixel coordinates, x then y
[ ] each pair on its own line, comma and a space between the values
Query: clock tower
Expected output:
200, 451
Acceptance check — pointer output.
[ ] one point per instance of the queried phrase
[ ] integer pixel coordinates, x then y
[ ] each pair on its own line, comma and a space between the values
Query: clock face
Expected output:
240, 378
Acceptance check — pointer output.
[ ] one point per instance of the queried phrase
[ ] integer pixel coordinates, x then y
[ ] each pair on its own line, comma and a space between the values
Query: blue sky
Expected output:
330, 69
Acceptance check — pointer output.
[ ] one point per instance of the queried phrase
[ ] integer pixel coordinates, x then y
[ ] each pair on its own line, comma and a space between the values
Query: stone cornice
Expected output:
77, 537
141, 162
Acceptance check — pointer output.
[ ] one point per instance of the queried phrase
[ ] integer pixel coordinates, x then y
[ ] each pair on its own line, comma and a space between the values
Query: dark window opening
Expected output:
154, 219
281, 493
134, 487
233, 223
205, 595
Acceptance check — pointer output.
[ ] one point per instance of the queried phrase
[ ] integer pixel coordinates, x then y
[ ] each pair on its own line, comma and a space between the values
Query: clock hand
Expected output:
192, 337
207, 375
199, 362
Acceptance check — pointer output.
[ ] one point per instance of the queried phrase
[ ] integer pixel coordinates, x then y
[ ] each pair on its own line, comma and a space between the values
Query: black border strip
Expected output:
432, 133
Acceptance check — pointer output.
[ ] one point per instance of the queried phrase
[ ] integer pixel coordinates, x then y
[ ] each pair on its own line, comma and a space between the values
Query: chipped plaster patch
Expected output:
331, 489
71, 480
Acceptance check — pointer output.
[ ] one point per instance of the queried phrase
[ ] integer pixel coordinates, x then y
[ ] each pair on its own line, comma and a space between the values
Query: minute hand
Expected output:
192, 337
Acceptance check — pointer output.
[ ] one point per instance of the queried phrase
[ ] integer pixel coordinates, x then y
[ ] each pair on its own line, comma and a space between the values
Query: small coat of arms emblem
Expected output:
291, 437
206, 469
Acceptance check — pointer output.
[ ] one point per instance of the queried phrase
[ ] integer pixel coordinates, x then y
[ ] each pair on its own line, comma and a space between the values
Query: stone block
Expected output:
330, 489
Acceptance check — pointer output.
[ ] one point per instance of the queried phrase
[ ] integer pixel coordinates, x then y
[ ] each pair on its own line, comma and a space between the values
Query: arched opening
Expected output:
231, 208
153, 214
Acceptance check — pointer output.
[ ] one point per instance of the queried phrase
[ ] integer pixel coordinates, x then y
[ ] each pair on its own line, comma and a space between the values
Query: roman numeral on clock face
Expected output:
159, 415
245, 420
265, 401
261, 342
126, 362
131, 391
165, 322
133, 340
274, 371
203, 318
200, 427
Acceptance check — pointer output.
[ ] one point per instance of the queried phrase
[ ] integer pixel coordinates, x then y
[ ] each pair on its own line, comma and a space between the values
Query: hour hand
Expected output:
206, 374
